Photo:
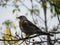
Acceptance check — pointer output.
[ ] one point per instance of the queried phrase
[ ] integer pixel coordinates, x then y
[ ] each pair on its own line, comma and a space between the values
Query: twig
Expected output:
30, 42
20, 38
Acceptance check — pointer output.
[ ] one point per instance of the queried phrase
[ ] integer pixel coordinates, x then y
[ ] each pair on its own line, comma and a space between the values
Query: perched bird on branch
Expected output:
29, 28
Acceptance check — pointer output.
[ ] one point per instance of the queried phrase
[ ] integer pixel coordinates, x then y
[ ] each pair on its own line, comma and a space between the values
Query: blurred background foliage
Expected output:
52, 5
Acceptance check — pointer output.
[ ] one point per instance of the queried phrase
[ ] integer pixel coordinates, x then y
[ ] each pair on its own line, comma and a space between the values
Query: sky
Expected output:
6, 14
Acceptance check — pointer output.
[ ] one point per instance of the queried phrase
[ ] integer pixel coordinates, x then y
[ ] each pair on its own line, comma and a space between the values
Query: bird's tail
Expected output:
45, 33
50, 34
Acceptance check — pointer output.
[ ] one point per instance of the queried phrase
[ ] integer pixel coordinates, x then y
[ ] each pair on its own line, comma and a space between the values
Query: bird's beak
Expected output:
17, 17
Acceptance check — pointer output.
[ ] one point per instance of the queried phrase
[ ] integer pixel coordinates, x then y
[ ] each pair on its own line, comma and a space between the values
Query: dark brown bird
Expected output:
29, 28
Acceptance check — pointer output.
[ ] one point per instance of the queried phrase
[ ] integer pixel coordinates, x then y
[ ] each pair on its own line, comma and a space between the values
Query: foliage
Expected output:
54, 6
8, 33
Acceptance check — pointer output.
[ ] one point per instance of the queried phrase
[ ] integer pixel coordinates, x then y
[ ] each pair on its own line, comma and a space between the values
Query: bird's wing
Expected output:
29, 26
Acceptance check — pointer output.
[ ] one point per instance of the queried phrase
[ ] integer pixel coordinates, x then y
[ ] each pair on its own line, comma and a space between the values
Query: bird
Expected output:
29, 28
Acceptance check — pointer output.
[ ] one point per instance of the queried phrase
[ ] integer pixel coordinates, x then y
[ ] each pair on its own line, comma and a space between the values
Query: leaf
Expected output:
16, 6
8, 33
54, 29
13, 42
36, 11
18, 9
31, 11
6, 0
3, 5
7, 23
51, 9
17, 0
14, 10
12, 24
53, 15
43, 28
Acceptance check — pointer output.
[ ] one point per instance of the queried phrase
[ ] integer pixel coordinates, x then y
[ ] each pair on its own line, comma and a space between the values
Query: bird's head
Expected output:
22, 18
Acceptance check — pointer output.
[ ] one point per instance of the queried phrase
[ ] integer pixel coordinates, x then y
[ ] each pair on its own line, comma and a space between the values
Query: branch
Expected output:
27, 37
38, 42
53, 4
30, 42
20, 38
32, 37
54, 32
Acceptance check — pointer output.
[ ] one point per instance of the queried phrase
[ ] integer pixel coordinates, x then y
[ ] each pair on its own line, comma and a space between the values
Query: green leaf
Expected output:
7, 22
51, 10
16, 6
18, 9
36, 11
6, 0
54, 29
53, 15
42, 27
14, 10
31, 11
4, 5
